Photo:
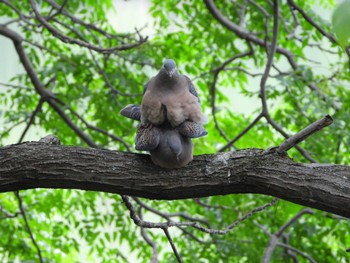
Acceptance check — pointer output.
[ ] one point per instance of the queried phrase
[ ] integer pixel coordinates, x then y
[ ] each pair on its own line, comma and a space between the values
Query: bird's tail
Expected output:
175, 145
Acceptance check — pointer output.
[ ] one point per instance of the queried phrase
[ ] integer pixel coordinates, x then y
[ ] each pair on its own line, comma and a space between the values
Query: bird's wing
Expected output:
132, 111
147, 137
191, 88
191, 129
145, 87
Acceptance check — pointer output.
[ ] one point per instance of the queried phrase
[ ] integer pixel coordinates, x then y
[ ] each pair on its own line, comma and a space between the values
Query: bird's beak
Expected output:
172, 72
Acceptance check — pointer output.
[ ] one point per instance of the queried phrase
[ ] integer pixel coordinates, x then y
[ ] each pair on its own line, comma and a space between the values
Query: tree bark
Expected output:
39, 165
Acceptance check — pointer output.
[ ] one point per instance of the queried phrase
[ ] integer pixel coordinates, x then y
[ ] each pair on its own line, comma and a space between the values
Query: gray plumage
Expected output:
170, 96
170, 115
132, 111
188, 129
174, 150
169, 147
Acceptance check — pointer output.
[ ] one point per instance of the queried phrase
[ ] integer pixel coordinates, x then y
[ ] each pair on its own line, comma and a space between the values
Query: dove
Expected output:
169, 147
170, 97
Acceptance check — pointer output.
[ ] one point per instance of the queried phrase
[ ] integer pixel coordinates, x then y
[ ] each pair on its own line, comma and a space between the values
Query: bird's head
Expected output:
169, 67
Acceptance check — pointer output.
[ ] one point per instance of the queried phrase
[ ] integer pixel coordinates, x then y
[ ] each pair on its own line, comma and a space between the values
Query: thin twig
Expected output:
149, 241
169, 216
177, 255
271, 54
66, 39
15, 86
213, 87
246, 129
311, 21
301, 253
253, 38
23, 213
196, 225
201, 203
45, 94
31, 119
273, 242
97, 129
303, 134
8, 214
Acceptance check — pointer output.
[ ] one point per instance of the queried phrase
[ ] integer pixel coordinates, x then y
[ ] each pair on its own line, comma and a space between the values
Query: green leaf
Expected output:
341, 22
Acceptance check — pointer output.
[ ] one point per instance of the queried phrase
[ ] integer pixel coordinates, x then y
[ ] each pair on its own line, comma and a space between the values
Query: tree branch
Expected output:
67, 39
171, 242
40, 88
38, 165
254, 39
302, 135
23, 213
273, 242
149, 241
297, 251
311, 21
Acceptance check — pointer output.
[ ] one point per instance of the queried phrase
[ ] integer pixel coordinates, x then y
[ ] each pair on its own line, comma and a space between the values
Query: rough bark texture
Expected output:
38, 165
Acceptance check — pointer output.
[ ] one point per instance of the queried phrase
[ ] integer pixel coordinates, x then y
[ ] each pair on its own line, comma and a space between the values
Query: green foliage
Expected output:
341, 22
76, 226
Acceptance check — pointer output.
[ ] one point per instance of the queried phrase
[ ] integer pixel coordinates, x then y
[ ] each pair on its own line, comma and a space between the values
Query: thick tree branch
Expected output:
38, 165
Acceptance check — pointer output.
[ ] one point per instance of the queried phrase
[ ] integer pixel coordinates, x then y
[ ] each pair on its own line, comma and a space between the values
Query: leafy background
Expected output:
77, 226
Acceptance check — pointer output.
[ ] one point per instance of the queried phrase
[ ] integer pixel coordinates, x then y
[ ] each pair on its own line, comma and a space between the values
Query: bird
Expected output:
170, 97
169, 147
174, 149
187, 128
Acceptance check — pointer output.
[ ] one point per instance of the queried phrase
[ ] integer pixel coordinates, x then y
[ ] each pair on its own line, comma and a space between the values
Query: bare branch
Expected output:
223, 207
275, 237
242, 33
213, 87
311, 21
44, 93
169, 216
107, 81
67, 39
177, 255
149, 241
271, 55
2, 135
292, 220
278, 128
246, 129
31, 119
297, 251
289, 252
74, 19
97, 129
15, 86
303, 134
23, 213
8, 214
